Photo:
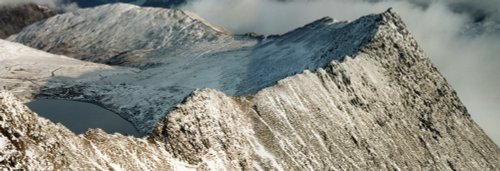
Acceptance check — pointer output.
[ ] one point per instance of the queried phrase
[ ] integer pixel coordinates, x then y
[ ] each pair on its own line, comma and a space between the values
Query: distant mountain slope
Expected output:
384, 107
14, 18
25, 69
104, 34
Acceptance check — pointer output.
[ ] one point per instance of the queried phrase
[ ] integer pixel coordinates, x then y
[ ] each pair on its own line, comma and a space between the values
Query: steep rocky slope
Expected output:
28, 142
368, 100
386, 108
14, 18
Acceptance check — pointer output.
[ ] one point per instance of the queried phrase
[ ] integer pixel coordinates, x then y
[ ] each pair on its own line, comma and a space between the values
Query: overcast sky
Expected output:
461, 37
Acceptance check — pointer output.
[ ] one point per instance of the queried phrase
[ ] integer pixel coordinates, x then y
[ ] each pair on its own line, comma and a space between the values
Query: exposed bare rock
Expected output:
14, 18
212, 124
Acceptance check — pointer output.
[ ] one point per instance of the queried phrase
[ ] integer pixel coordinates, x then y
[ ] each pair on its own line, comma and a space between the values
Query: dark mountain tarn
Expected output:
80, 116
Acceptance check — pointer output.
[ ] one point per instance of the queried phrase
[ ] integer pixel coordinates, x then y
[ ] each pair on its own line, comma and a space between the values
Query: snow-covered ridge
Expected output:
177, 54
24, 70
103, 33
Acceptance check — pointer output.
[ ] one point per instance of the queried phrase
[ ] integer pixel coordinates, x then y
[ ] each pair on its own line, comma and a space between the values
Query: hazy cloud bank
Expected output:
461, 37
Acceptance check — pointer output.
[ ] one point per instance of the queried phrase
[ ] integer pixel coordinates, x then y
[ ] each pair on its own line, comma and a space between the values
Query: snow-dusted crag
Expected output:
331, 95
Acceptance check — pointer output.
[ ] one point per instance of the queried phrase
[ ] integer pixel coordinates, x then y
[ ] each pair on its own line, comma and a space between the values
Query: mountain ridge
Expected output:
171, 70
366, 97
104, 20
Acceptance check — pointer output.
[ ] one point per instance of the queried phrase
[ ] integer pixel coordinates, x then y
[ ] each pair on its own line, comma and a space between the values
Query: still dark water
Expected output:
80, 116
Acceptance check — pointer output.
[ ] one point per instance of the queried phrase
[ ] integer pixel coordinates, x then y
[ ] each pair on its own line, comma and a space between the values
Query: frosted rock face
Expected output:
14, 18
383, 108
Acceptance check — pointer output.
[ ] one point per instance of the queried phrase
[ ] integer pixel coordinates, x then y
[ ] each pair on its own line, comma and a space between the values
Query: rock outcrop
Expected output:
14, 18
368, 99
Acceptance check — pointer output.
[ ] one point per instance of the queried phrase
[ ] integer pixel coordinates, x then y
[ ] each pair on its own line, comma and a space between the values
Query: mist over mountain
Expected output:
484, 15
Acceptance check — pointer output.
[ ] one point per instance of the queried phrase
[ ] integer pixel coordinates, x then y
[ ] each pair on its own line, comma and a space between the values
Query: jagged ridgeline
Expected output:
330, 95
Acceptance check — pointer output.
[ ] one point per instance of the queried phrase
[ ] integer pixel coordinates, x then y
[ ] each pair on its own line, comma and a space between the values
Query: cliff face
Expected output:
14, 18
383, 107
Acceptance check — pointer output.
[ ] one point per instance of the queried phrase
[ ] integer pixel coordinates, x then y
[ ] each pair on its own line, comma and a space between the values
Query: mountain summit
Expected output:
330, 95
